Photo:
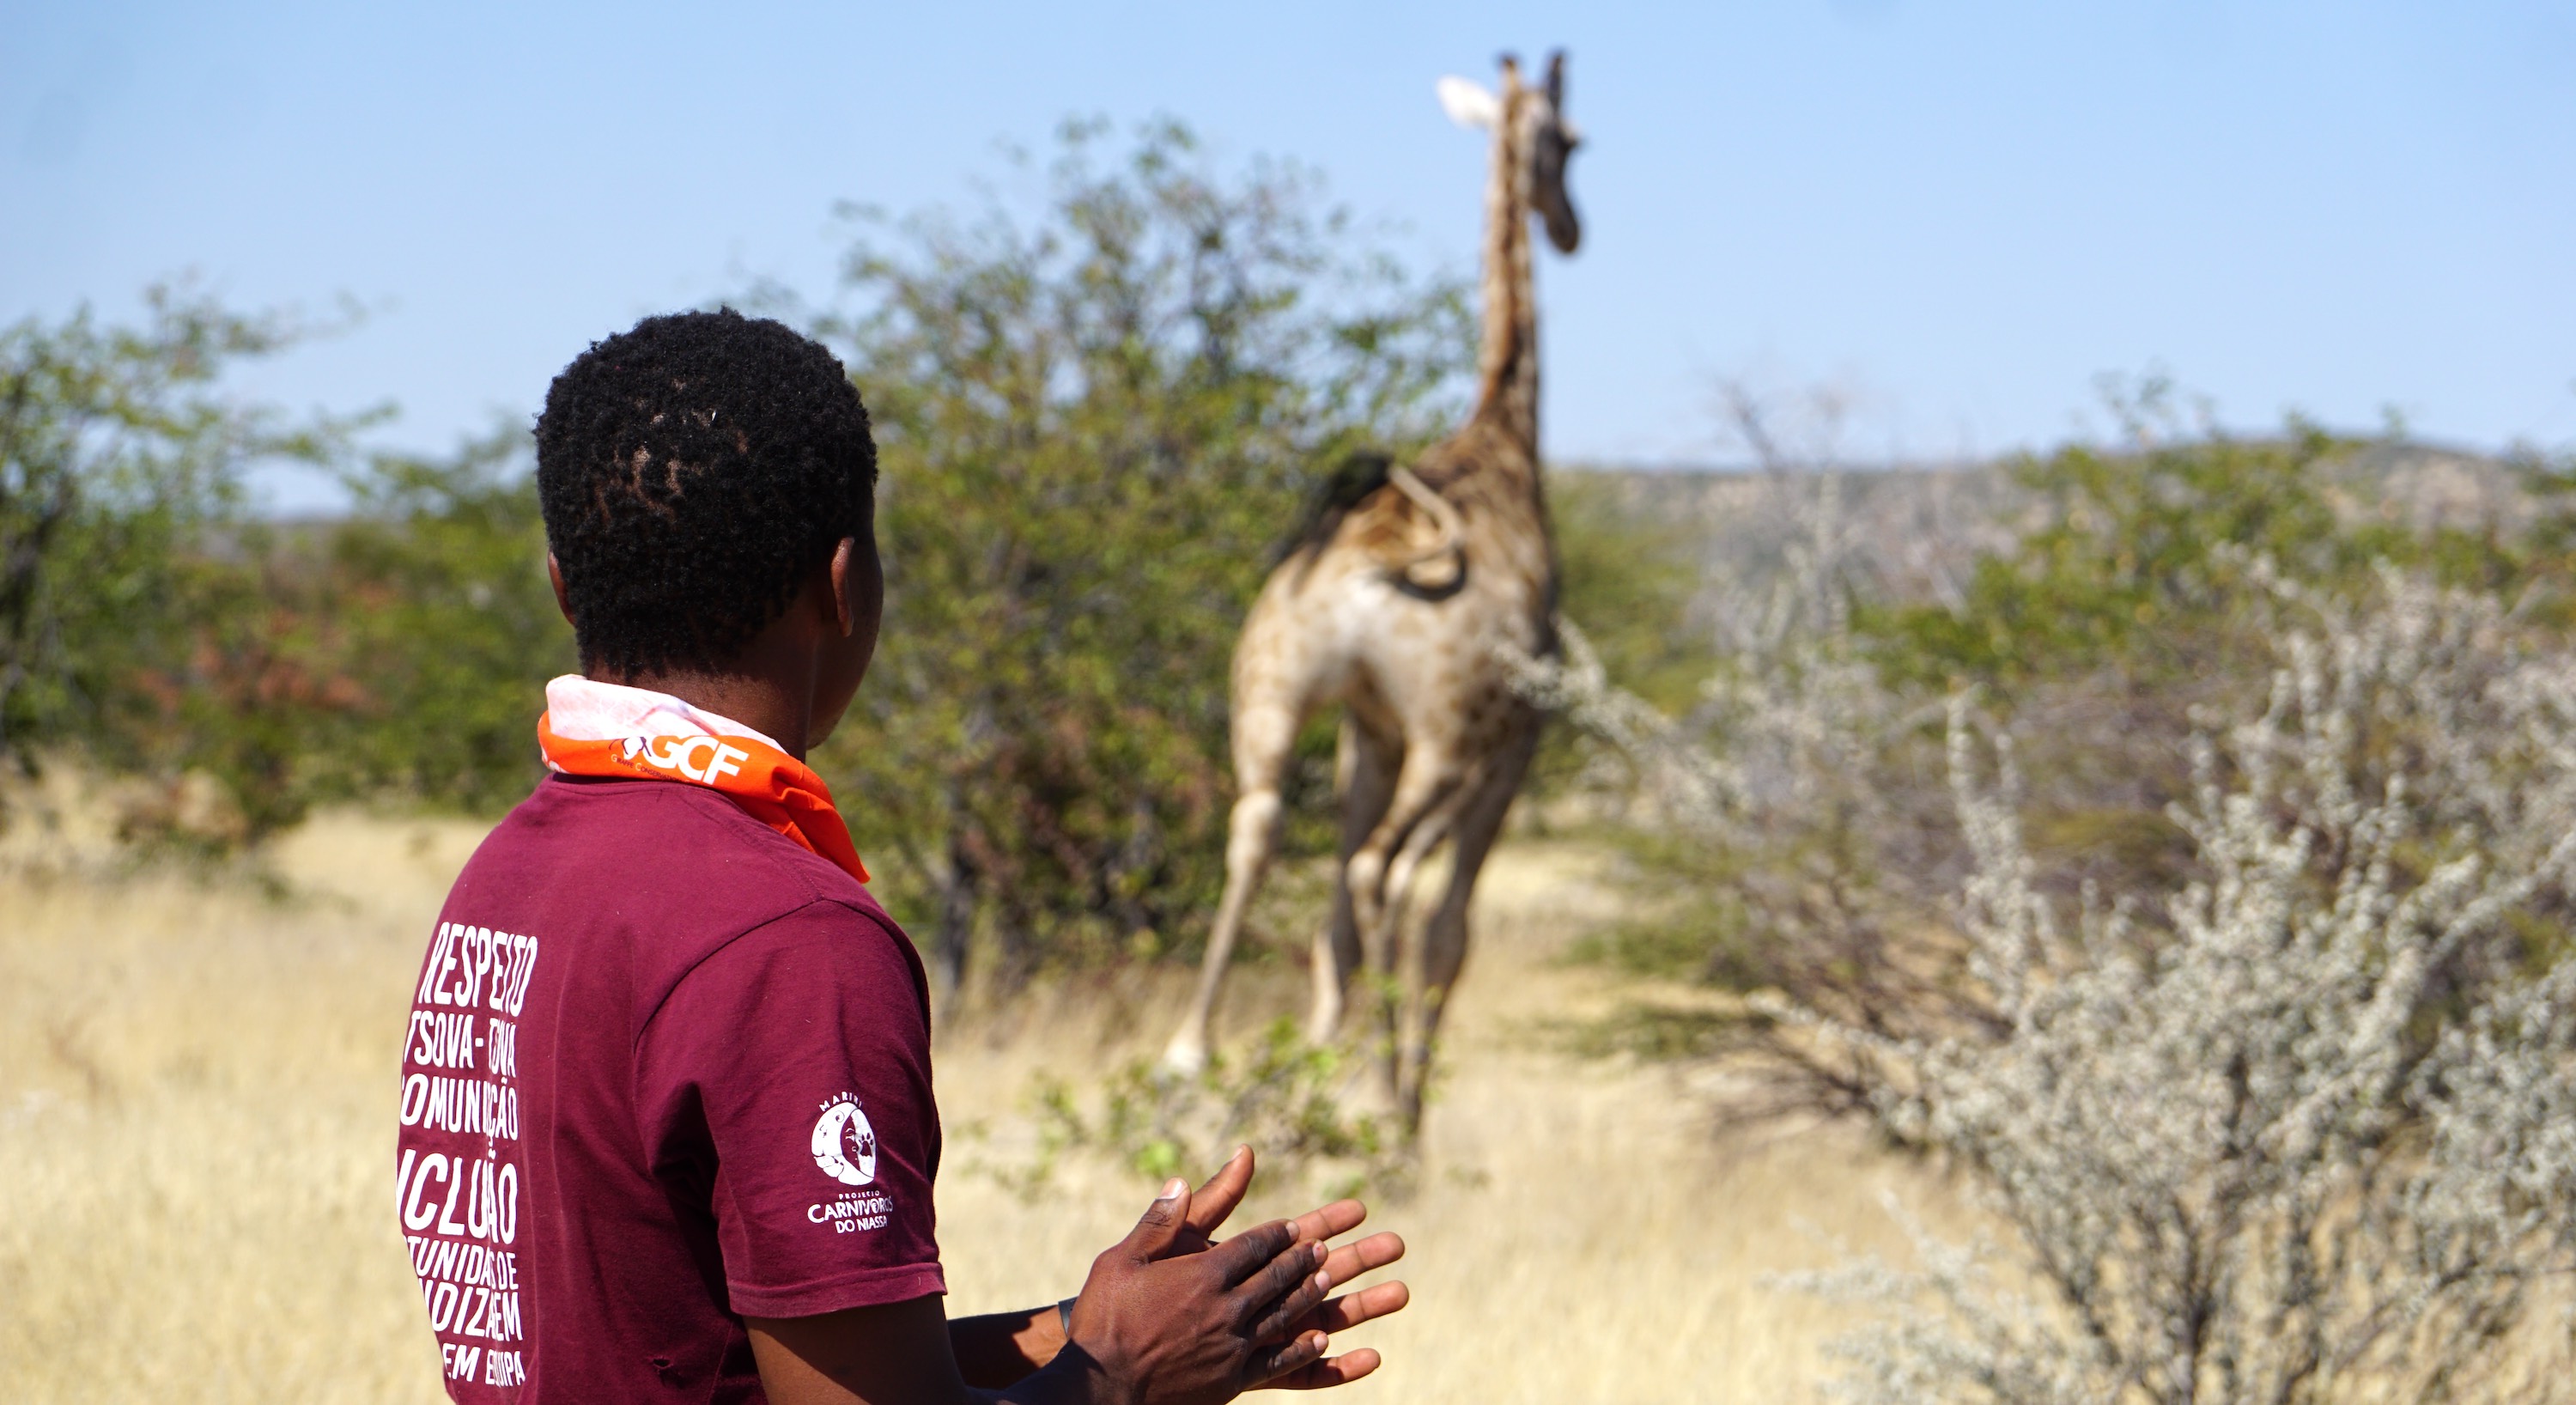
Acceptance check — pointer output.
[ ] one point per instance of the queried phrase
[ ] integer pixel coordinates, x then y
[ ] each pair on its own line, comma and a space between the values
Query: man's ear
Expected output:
845, 558
563, 602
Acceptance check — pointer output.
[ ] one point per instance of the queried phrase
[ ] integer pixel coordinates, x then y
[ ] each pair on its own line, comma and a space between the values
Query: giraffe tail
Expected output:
1351, 482
1452, 542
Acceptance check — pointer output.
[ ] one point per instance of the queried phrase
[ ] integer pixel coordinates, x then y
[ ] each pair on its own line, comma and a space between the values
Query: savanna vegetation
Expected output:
1097, 422
242, 670
2172, 851
2190, 878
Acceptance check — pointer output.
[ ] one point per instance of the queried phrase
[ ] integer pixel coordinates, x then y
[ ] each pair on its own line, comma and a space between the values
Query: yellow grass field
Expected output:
197, 1085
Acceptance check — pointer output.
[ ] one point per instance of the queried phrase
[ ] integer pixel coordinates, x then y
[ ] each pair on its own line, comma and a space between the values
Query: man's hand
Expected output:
1171, 1316
1215, 1201
1151, 1328
1158, 1322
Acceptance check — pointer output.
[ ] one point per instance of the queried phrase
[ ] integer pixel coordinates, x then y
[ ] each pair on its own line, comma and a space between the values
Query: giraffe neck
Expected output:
1507, 365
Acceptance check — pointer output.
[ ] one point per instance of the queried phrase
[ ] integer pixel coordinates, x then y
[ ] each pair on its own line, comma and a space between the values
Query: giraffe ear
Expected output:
1468, 103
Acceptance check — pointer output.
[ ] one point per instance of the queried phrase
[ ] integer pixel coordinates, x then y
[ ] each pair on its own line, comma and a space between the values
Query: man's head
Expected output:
695, 473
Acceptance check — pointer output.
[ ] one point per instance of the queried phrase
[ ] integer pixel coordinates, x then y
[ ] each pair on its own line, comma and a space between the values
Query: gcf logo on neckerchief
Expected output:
845, 1146
706, 760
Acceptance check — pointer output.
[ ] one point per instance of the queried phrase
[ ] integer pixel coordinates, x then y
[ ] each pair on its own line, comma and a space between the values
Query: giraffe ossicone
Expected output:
1468, 102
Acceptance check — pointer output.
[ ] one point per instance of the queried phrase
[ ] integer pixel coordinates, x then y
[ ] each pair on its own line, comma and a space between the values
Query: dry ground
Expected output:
196, 1123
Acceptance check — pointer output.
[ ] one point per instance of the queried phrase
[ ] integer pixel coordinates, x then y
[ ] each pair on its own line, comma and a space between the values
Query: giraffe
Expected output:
1397, 602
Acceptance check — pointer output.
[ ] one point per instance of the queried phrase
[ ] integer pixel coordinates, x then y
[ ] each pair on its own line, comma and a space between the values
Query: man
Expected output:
667, 1123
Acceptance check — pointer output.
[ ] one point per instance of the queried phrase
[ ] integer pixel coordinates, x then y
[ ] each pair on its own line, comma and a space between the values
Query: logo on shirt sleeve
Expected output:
845, 1146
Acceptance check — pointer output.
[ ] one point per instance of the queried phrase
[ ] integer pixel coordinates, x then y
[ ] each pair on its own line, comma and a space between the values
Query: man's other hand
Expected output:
1176, 1325
1213, 1202
1170, 1316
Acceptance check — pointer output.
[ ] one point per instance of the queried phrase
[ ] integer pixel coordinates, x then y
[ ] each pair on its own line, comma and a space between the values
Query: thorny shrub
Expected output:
1789, 819
2300, 1128
2294, 1122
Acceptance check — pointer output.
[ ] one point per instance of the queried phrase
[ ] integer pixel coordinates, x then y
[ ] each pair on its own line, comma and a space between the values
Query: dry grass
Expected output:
196, 1089
194, 1139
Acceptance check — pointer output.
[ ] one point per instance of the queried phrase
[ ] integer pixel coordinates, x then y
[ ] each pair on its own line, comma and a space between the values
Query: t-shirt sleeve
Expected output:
786, 1080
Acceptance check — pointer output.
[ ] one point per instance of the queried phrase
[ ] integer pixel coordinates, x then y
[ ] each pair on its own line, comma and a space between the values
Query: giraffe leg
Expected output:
1426, 780
1368, 765
1381, 871
1264, 734
1407, 1009
1444, 937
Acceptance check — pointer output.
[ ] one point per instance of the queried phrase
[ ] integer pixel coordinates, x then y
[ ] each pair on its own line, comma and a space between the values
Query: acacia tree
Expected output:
1095, 428
438, 625
122, 534
151, 623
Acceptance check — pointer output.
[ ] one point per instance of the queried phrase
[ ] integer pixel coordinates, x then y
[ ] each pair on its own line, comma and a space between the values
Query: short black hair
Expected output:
693, 473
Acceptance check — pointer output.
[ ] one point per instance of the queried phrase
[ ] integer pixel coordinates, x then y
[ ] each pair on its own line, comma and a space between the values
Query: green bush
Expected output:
442, 616
131, 582
151, 626
1283, 1097
1095, 431
2139, 562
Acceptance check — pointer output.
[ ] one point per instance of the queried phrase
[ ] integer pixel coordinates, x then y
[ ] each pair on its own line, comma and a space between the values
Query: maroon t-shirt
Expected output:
665, 1069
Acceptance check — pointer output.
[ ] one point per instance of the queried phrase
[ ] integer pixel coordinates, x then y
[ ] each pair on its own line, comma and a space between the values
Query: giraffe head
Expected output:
1533, 120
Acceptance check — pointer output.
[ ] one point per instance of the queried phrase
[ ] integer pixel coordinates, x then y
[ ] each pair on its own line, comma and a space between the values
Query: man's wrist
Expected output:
1073, 1378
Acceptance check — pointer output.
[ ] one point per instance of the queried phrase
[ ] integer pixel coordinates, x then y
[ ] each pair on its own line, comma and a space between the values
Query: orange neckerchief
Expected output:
592, 728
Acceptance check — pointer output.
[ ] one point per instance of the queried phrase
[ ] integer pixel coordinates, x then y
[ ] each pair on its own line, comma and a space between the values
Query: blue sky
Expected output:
1960, 214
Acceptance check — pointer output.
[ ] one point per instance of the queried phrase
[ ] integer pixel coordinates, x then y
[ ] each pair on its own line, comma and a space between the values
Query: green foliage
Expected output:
149, 625
1630, 577
2140, 595
1282, 1097
2142, 557
2140, 563
444, 615
1094, 432
393, 656
129, 579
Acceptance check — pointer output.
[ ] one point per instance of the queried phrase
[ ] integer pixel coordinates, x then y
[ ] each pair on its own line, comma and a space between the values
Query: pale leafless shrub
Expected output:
1791, 800
2300, 1126
1643, 751
2301, 1130
1791, 706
